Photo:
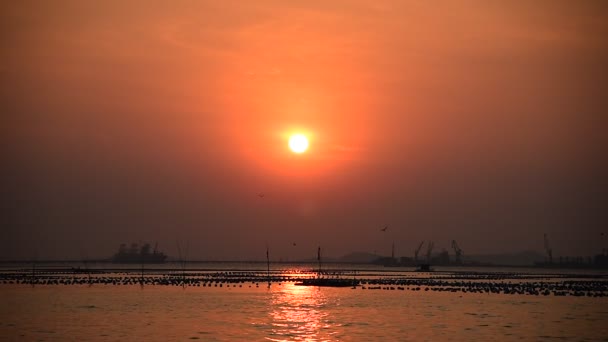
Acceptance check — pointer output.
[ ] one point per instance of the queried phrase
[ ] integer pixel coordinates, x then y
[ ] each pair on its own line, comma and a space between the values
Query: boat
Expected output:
136, 255
327, 282
424, 268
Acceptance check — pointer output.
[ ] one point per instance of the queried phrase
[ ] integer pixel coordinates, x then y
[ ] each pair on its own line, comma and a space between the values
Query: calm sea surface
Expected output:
286, 312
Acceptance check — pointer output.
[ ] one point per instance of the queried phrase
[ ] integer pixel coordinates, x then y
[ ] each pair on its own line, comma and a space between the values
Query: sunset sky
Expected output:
479, 121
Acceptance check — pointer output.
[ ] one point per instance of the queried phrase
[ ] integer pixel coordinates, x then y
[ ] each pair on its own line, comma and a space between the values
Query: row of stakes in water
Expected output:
589, 288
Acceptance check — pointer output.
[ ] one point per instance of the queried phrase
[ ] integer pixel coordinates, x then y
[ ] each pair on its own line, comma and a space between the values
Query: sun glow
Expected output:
298, 143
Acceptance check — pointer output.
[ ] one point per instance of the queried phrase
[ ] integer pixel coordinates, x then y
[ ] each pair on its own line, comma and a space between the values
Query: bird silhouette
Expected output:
261, 195
384, 229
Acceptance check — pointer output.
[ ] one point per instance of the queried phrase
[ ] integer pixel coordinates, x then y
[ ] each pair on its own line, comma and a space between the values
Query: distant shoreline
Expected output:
311, 262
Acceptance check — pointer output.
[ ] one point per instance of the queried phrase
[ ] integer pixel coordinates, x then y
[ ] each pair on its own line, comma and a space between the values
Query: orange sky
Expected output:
150, 120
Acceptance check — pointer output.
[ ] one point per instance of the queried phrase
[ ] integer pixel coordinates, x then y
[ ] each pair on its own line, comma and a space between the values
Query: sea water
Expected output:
287, 312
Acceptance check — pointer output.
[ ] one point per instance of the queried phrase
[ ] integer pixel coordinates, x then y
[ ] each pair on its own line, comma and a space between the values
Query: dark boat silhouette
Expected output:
424, 268
327, 282
136, 255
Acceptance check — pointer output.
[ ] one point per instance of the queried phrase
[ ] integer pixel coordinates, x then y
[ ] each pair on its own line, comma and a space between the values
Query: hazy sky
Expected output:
480, 121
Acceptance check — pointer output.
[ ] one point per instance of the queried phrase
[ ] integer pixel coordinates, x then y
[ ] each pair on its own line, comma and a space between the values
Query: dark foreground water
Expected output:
389, 306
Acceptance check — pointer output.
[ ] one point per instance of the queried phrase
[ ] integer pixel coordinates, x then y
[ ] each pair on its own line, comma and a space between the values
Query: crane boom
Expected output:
457, 252
418, 251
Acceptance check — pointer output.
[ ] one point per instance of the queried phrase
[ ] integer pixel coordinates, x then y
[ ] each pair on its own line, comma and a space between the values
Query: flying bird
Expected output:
260, 194
385, 228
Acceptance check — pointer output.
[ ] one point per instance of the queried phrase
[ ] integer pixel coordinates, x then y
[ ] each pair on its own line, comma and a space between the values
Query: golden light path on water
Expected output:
299, 314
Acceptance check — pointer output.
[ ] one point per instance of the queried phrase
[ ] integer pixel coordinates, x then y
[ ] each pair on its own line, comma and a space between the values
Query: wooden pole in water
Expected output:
184, 273
88, 272
268, 265
33, 272
182, 264
319, 259
142, 270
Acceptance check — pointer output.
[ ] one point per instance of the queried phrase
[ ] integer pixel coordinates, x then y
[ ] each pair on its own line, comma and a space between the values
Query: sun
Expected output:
298, 143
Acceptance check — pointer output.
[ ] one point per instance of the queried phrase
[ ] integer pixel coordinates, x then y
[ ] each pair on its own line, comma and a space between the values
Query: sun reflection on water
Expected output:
299, 314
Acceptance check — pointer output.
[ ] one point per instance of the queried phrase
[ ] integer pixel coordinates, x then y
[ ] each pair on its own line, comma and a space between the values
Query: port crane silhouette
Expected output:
457, 252
417, 251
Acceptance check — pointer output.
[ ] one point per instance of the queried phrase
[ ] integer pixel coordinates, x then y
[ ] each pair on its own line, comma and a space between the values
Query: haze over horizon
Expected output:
479, 121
